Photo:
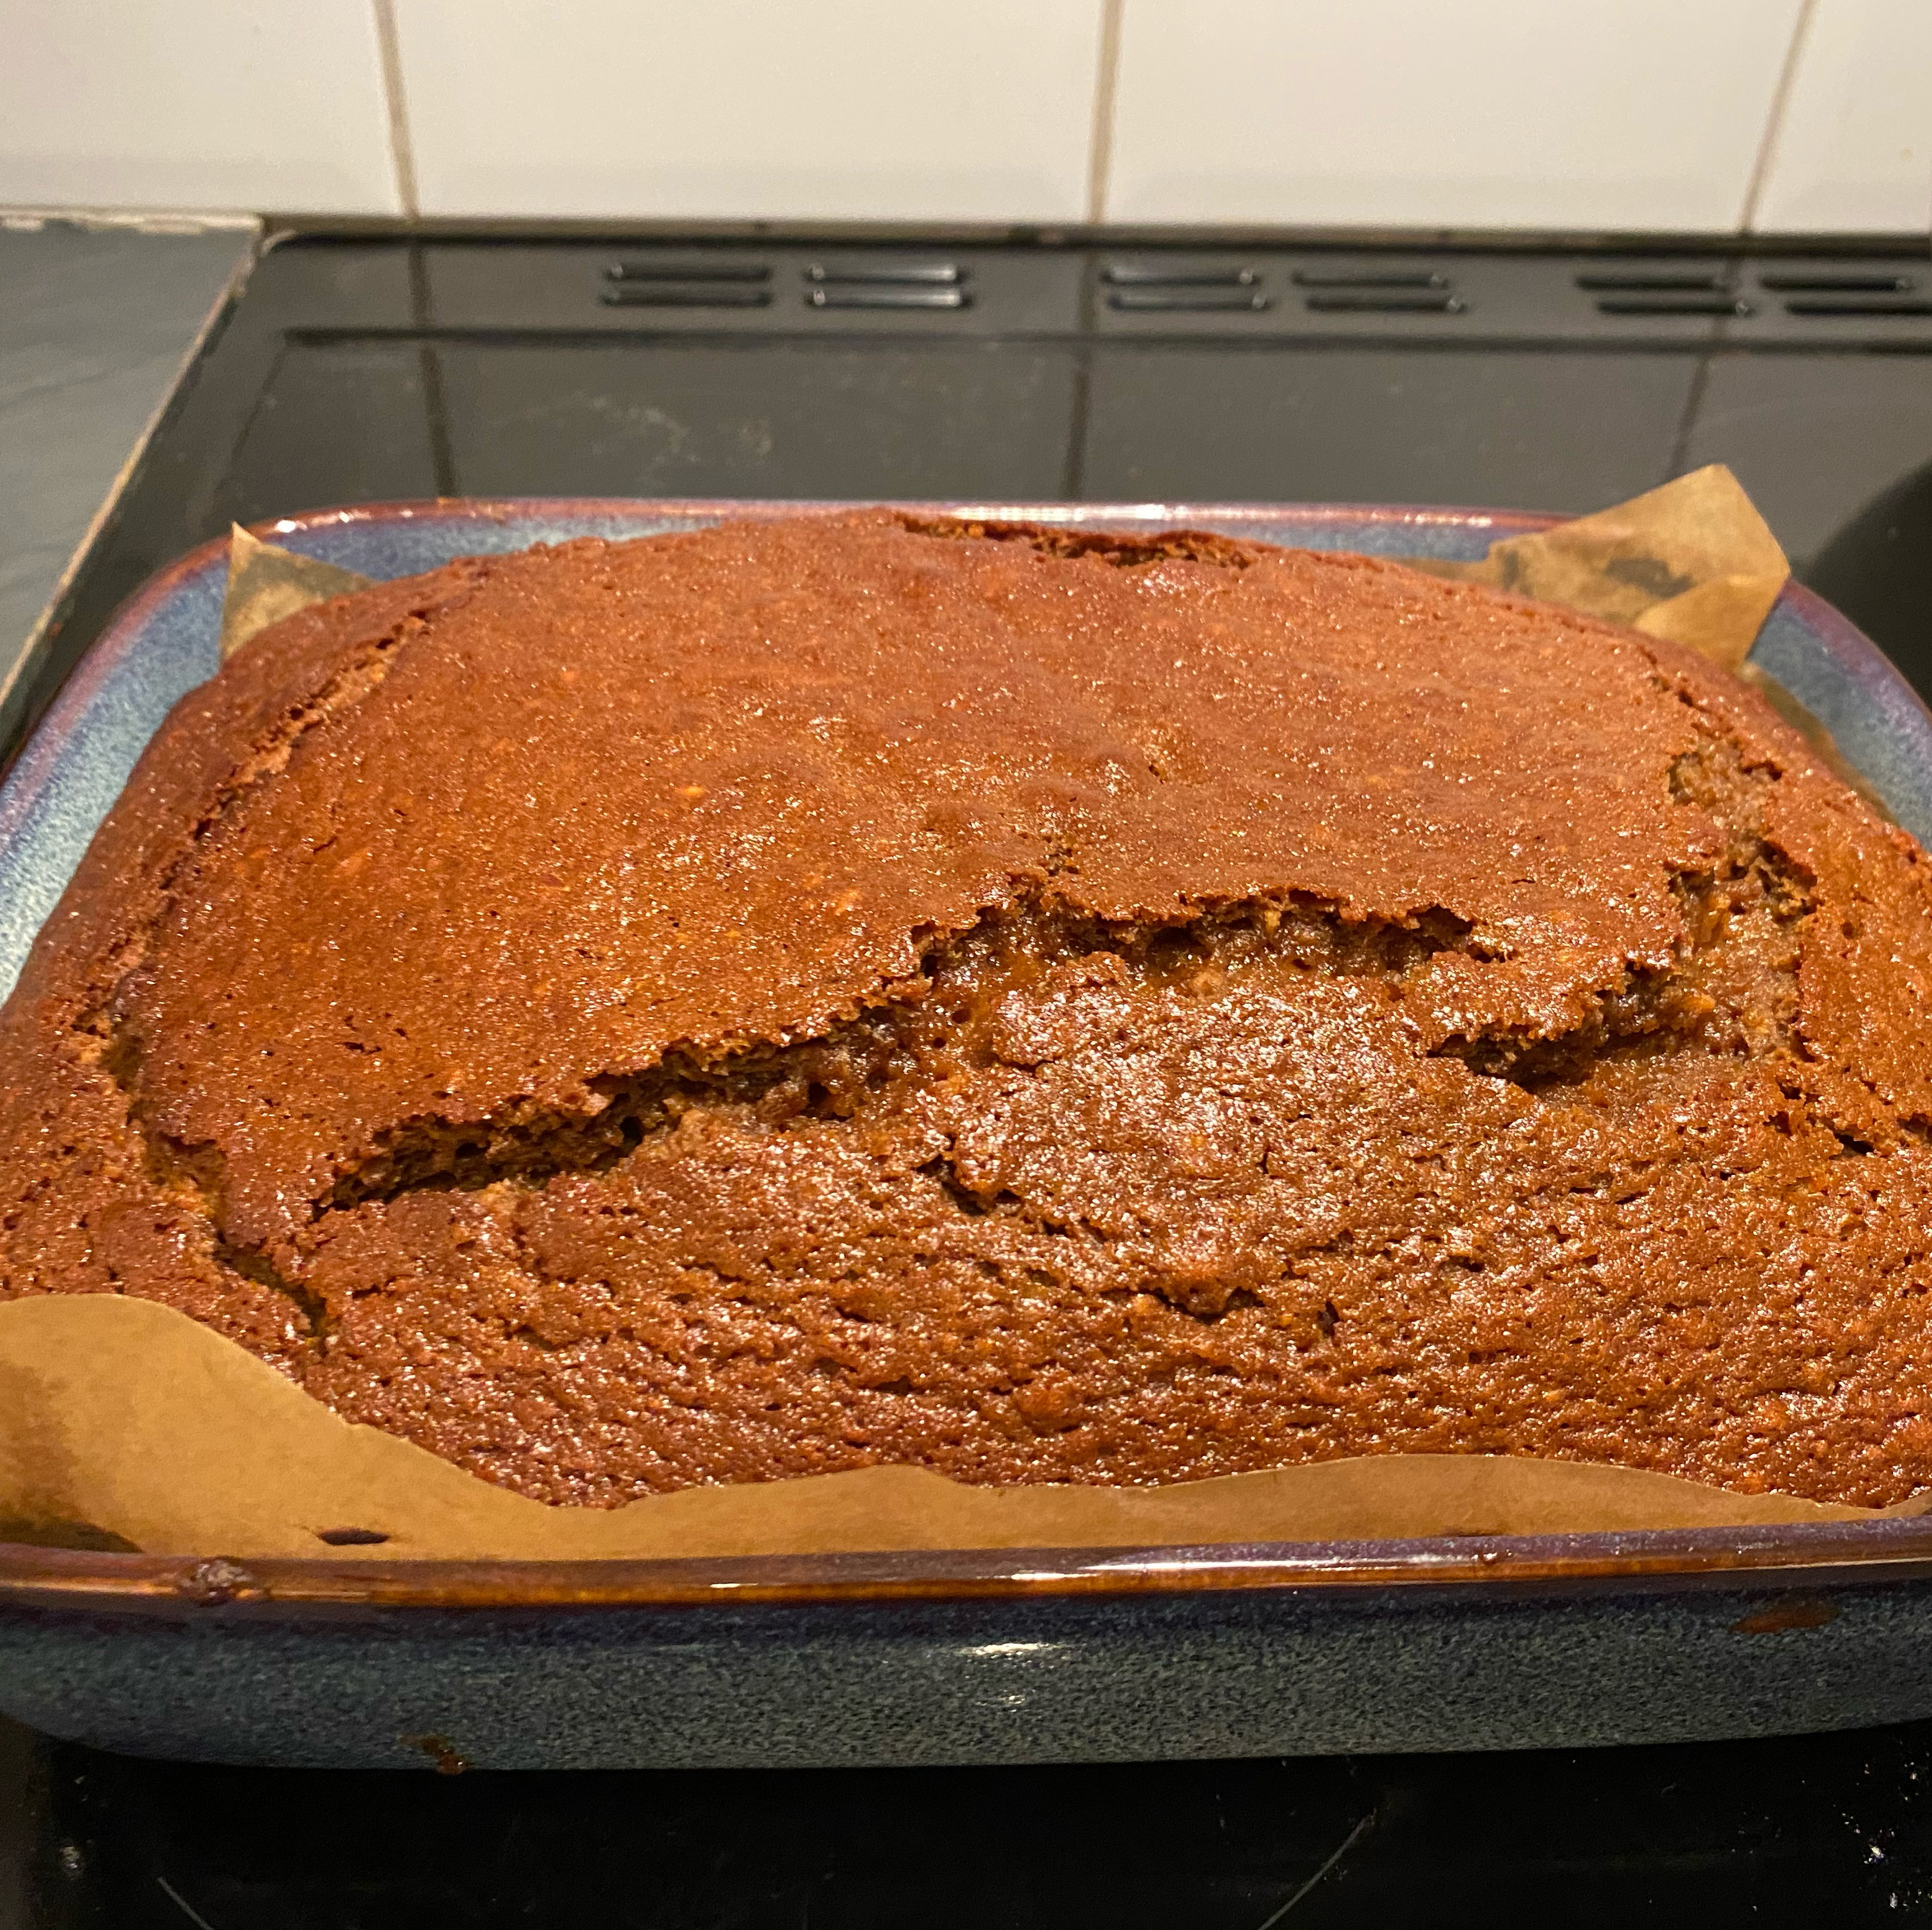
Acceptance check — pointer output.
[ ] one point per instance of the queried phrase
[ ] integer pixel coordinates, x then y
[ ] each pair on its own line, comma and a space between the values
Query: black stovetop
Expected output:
376, 368
1835, 1830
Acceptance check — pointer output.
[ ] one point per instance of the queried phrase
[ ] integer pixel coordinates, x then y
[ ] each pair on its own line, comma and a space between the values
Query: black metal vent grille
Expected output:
906, 285
1821, 294
1471, 297
887, 284
1178, 287
1158, 287
678, 284
1826, 294
1661, 291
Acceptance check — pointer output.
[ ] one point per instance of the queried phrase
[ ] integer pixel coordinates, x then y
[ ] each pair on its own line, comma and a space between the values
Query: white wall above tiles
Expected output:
814, 108
1690, 115
216, 104
1854, 149
1481, 113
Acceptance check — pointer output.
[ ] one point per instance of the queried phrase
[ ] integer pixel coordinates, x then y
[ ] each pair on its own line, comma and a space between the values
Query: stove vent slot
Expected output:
1673, 304
1370, 291
1652, 281
1187, 298
1662, 291
675, 284
688, 270
888, 274
843, 295
1384, 301
887, 284
1157, 275
1159, 287
1837, 284
685, 295
1869, 306
1872, 293
1367, 277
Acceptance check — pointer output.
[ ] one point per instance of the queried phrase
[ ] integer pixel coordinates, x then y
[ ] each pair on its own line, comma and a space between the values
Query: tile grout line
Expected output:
402, 155
1100, 139
1773, 123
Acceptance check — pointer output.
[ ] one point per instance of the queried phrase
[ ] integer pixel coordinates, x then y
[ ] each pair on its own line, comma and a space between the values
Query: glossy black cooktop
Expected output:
1836, 1831
373, 368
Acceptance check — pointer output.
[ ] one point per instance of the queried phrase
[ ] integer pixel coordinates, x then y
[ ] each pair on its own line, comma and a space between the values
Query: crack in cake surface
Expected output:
950, 1015
944, 1017
1123, 551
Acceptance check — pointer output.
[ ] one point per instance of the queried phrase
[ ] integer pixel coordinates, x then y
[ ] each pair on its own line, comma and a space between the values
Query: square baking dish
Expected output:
973, 1656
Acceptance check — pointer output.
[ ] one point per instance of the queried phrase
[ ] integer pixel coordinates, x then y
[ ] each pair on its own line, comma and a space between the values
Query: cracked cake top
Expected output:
807, 994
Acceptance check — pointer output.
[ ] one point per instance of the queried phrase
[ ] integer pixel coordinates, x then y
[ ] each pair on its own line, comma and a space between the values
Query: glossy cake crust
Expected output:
1044, 1007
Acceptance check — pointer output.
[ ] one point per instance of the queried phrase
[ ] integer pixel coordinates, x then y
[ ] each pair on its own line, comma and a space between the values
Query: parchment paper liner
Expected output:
128, 1415
122, 1418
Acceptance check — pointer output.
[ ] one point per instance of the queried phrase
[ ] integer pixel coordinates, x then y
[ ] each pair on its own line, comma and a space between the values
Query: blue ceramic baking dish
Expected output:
1033, 1655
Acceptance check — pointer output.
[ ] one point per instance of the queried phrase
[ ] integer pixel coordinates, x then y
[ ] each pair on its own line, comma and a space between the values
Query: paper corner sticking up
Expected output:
267, 584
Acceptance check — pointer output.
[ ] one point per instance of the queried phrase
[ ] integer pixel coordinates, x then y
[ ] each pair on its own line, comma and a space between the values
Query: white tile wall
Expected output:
1854, 149
217, 104
799, 108
1591, 114
1467, 113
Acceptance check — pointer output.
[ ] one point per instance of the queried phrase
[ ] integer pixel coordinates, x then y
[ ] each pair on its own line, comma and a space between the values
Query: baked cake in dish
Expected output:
1039, 1006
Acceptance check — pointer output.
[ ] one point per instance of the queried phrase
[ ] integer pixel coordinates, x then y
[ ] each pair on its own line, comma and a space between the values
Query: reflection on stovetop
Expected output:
1835, 1830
